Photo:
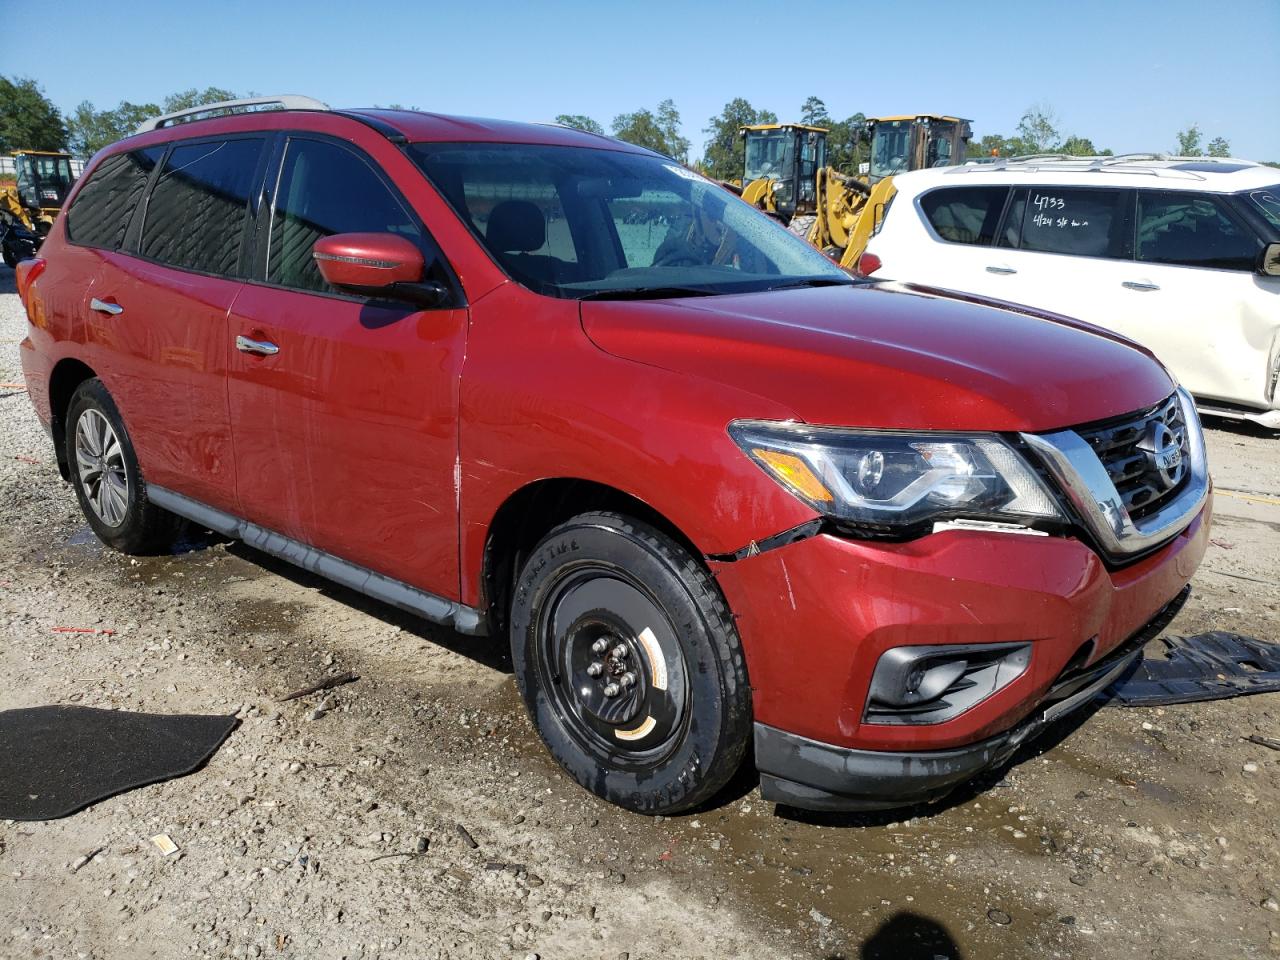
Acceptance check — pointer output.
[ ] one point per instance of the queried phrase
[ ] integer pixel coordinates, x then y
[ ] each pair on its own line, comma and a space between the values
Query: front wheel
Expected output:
630, 665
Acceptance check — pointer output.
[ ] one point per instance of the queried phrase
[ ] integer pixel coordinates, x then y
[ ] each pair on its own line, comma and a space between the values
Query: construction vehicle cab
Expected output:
786, 174
787, 157
915, 142
44, 180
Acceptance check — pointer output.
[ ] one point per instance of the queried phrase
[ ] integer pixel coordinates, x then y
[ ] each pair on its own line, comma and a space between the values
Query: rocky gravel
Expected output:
413, 813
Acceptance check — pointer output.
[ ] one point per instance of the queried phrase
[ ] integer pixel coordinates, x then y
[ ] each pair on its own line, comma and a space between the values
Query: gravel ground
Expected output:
328, 827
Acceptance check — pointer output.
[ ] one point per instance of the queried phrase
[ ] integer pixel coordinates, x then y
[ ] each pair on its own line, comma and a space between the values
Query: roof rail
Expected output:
286, 101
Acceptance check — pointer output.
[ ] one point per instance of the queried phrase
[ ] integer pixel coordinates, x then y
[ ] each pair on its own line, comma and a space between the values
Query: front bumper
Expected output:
816, 615
821, 776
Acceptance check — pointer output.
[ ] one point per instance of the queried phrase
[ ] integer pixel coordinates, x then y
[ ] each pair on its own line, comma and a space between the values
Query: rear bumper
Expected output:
821, 776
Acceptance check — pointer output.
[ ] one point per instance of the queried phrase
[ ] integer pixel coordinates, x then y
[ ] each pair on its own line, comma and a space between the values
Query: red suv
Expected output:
528, 381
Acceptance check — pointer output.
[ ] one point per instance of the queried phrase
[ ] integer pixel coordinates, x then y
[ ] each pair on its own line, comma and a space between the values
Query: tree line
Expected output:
29, 120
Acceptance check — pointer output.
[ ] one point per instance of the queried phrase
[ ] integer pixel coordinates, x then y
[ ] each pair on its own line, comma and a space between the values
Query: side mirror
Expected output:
377, 265
1269, 260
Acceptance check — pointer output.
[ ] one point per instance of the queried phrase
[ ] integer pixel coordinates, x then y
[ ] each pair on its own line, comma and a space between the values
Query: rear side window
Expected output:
1191, 230
197, 211
102, 208
326, 189
965, 214
1082, 223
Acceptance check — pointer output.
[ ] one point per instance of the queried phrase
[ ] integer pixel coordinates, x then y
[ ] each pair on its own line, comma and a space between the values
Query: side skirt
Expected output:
437, 609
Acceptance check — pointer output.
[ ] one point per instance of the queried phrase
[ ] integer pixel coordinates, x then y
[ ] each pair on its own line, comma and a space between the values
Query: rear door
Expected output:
1063, 249
962, 224
345, 420
162, 306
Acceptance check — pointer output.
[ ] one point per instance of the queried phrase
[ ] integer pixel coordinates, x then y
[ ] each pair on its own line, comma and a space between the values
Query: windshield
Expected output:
577, 222
890, 148
770, 154
1268, 201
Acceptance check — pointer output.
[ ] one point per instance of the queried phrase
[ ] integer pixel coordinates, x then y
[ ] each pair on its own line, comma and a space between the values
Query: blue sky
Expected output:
1126, 73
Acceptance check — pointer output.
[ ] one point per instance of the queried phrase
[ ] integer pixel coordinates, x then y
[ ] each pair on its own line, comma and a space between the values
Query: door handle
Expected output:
1139, 285
1001, 270
259, 348
104, 306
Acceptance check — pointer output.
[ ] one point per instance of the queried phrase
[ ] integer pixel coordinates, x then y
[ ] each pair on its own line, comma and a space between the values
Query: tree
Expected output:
669, 124
186, 99
846, 147
991, 145
1078, 147
28, 120
725, 154
1037, 130
814, 113
580, 122
1219, 147
1189, 141
90, 130
658, 132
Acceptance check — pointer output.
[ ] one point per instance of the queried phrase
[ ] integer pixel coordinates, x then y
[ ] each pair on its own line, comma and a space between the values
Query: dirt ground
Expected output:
1132, 833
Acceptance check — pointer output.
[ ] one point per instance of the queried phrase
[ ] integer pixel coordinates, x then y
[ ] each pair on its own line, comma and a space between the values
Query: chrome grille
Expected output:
1124, 447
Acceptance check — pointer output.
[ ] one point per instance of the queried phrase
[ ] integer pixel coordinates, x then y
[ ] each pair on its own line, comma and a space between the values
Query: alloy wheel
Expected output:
100, 466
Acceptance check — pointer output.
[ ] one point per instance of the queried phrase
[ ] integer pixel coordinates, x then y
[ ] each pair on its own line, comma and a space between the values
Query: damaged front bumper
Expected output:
812, 775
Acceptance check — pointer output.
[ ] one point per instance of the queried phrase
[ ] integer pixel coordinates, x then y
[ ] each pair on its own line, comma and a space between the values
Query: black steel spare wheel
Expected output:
629, 663
611, 665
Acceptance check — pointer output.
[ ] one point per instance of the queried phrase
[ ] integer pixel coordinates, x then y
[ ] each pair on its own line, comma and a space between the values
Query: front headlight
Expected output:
889, 482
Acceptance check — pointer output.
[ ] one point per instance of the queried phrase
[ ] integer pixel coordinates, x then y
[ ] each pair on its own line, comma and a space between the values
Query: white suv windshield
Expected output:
576, 222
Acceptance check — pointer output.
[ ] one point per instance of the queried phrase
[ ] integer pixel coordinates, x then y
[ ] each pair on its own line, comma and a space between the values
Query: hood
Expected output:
888, 355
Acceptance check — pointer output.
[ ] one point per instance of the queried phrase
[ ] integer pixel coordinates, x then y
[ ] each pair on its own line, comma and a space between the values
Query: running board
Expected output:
441, 610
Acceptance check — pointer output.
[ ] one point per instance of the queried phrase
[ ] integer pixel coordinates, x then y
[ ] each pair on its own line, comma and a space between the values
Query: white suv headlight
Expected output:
890, 482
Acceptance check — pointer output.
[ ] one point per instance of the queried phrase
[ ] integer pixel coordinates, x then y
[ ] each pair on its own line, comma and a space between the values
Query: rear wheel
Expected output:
105, 474
630, 665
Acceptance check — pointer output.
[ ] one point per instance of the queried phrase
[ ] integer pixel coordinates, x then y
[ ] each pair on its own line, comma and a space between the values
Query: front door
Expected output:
344, 410
1191, 294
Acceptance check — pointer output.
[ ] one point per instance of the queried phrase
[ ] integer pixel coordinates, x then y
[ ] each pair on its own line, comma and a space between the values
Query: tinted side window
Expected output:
1192, 230
326, 189
1084, 223
197, 210
101, 212
965, 214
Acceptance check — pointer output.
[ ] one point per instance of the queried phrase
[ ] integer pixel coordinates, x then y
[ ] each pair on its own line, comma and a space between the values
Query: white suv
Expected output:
1182, 255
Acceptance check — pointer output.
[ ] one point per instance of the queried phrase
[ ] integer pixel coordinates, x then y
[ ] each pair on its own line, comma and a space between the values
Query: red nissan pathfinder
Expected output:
530, 382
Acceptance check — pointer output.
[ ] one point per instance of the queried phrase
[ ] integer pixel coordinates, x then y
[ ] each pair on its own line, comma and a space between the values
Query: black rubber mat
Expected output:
57, 760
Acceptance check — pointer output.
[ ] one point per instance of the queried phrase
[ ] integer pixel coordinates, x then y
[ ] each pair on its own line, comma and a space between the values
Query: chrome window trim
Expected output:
1083, 478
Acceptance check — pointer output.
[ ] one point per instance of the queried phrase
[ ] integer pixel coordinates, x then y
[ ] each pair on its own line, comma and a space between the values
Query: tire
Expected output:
107, 480
10, 258
678, 722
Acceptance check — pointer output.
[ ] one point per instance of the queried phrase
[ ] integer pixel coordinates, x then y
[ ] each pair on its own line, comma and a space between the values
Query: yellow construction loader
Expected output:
786, 174
28, 206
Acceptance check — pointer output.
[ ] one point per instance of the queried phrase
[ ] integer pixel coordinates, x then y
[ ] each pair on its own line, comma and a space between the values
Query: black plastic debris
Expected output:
1207, 666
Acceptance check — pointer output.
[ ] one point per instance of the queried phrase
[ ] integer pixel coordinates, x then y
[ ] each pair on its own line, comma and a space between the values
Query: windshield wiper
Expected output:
647, 293
816, 282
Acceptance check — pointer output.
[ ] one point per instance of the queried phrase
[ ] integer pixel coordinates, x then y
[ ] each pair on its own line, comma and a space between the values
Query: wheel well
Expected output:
530, 512
67, 375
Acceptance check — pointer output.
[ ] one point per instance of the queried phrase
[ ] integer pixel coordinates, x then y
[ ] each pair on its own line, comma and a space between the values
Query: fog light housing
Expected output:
933, 684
